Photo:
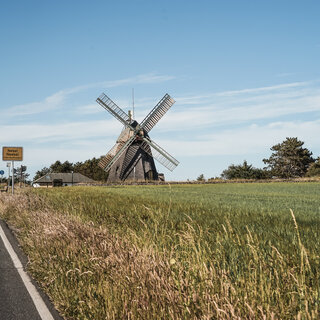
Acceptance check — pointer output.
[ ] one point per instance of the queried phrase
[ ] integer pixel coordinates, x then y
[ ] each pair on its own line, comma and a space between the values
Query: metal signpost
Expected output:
12, 154
8, 165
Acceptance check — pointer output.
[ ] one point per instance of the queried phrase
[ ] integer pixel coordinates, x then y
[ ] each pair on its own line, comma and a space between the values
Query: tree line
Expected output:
289, 159
88, 168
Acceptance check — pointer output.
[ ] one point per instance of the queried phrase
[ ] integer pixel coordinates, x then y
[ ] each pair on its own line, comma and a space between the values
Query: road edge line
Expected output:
41, 307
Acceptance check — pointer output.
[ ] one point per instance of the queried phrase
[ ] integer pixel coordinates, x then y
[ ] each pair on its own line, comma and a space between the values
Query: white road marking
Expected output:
34, 294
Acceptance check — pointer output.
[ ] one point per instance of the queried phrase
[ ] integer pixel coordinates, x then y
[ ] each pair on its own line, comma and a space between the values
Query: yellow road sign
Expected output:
12, 153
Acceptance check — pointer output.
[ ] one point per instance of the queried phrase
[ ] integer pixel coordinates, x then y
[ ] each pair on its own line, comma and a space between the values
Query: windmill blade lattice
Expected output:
157, 113
131, 159
116, 111
159, 154
114, 154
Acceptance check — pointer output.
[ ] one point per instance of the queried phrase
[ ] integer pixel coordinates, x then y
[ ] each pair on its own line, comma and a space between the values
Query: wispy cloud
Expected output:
285, 74
47, 104
60, 132
58, 99
139, 79
263, 89
243, 106
88, 109
247, 140
281, 89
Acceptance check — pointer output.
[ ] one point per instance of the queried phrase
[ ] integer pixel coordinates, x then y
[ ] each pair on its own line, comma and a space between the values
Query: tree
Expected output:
20, 174
88, 168
244, 171
289, 159
64, 167
201, 177
314, 169
40, 173
91, 169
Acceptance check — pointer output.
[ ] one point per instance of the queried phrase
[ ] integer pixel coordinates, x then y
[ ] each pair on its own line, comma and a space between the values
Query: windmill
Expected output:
131, 158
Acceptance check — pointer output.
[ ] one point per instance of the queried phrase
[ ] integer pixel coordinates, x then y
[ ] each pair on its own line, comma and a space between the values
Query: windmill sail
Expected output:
116, 111
157, 113
159, 154
131, 159
114, 154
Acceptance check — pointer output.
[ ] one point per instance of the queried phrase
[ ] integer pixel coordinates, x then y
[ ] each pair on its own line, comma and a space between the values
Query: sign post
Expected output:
12, 177
8, 165
12, 154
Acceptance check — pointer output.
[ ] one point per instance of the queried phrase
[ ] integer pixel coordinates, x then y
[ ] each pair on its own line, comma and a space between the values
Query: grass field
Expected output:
222, 251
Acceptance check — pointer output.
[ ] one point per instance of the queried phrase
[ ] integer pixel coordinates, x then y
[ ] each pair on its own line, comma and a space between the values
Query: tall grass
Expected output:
180, 252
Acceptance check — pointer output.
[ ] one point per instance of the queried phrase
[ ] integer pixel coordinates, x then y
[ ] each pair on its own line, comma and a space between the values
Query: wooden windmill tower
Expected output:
132, 157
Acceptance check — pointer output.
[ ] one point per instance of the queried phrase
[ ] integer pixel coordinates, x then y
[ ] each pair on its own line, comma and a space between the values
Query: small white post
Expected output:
8, 181
12, 177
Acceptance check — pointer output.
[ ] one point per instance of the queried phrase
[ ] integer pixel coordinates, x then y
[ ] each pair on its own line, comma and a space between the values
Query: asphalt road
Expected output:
20, 299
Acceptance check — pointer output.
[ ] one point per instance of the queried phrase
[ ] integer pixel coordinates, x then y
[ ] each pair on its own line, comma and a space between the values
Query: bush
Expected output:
314, 169
244, 171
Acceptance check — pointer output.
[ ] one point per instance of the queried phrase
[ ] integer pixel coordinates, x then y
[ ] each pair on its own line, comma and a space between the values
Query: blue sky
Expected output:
245, 75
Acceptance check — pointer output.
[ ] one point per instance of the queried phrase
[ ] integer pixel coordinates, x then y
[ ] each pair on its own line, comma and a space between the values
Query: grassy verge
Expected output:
180, 252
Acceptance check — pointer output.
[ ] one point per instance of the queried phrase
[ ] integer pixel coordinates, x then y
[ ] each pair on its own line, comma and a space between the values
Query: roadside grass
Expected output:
232, 251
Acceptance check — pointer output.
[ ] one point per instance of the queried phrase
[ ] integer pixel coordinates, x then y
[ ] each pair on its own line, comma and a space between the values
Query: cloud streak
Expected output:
263, 89
41, 133
243, 107
244, 141
58, 99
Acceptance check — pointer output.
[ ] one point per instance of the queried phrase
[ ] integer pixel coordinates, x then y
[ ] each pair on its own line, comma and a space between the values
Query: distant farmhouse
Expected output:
61, 180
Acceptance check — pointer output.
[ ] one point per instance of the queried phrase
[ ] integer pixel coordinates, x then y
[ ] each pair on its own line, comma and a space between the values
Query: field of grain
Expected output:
222, 251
